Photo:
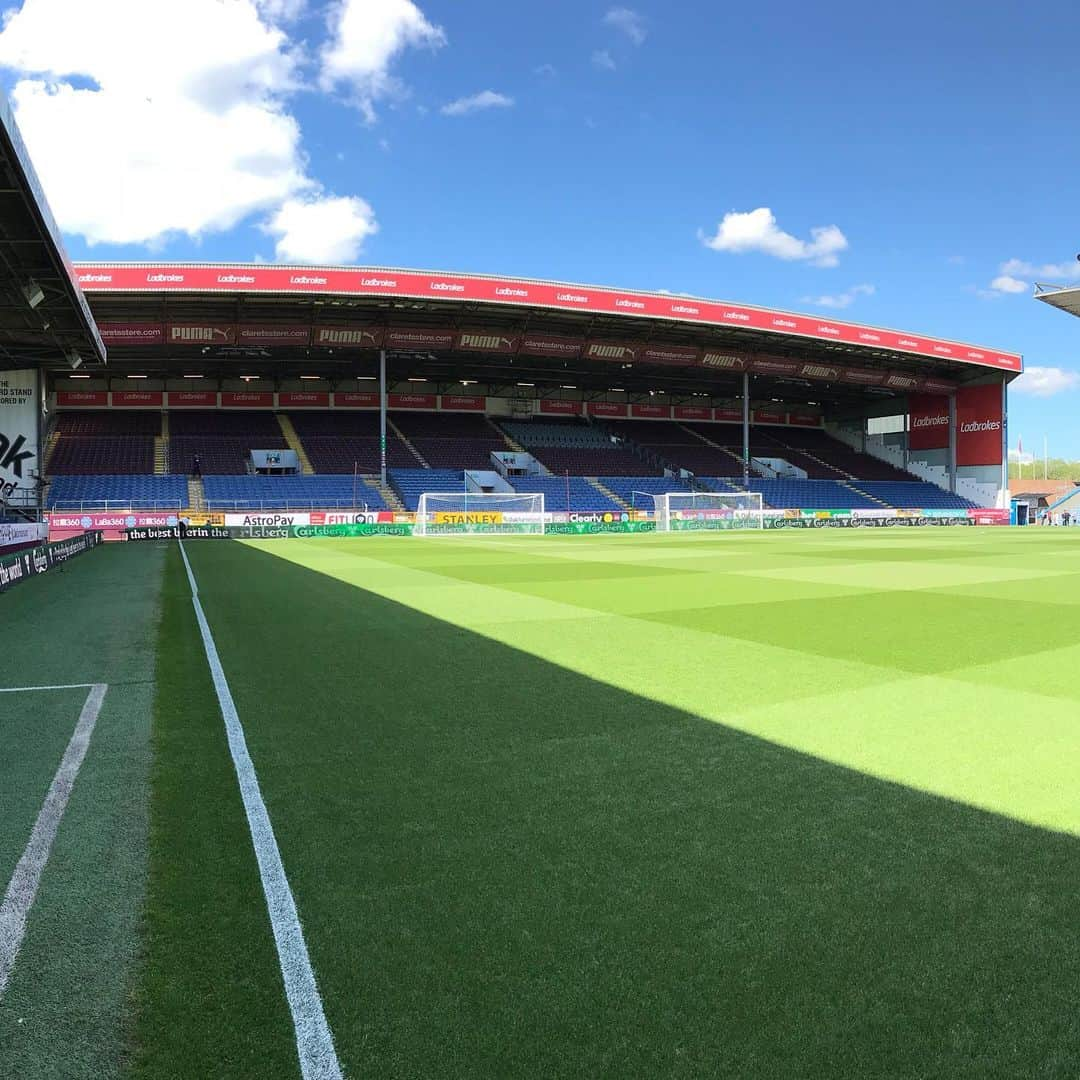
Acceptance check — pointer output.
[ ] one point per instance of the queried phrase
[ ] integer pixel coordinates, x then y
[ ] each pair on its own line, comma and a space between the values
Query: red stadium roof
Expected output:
477, 291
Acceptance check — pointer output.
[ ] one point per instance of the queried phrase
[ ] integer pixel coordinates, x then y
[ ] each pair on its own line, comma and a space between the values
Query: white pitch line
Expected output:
28, 689
23, 886
314, 1040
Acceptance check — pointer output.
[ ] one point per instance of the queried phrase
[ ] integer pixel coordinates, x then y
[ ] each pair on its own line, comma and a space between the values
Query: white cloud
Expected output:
190, 139
627, 22
756, 230
842, 300
603, 60
1045, 381
325, 229
1007, 284
365, 38
486, 99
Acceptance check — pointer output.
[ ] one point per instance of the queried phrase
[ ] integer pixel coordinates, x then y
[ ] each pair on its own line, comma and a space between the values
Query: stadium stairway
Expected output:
196, 495
389, 495
866, 494
709, 442
819, 461
606, 492
50, 445
511, 444
161, 448
391, 426
291, 437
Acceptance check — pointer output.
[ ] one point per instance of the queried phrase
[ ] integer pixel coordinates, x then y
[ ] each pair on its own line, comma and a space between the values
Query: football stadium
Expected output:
423, 674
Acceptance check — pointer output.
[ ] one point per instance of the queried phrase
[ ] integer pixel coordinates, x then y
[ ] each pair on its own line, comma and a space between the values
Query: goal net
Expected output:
461, 513
680, 510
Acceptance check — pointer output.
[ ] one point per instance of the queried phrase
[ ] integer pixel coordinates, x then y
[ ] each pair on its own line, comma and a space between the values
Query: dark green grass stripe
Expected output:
211, 1002
505, 868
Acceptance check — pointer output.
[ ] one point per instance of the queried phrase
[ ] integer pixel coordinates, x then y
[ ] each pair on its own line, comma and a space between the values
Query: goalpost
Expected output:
682, 510
443, 513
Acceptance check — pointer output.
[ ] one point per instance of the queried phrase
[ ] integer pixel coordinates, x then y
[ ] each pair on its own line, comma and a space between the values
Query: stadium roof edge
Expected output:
373, 282
1064, 297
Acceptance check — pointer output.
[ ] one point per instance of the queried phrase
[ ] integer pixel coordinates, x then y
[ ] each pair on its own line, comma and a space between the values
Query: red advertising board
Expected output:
200, 334
356, 401
693, 412
774, 365
137, 399
420, 337
412, 401
613, 351
803, 419
247, 399
816, 370
271, 334
487, 341
989, 516
979, 425
549, 345
768, 416
862, 376
901, 381
936, 386
132, 333
192, 399
651, 412
928, 422
305, 399
605, 408
463, 403
669, 354
729, 415
347, 337
82, 399
466, 288
560, 407
114, 526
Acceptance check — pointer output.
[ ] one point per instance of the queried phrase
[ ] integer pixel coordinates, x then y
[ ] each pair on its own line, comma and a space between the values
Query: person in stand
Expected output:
196, 467
1066, 517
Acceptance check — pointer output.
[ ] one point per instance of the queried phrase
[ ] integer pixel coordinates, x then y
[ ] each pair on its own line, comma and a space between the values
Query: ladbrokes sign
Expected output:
929, 422
979, 425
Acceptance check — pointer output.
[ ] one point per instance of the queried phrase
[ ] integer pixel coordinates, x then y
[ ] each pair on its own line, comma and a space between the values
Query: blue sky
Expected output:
913, 166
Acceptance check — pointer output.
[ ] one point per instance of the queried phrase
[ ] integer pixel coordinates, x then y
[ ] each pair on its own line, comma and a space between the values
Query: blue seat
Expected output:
330, 492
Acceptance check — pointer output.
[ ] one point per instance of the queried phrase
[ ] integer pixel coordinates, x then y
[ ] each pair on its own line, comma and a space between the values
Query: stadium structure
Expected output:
242, 388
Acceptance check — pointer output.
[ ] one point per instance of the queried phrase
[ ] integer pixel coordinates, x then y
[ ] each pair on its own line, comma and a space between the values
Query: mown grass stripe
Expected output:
314, 1040
23, 887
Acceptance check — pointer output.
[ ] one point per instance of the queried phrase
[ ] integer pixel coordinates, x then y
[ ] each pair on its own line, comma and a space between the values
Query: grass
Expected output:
799, 804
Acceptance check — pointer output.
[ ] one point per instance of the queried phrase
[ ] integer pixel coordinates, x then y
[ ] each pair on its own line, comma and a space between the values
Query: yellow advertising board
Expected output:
453, 517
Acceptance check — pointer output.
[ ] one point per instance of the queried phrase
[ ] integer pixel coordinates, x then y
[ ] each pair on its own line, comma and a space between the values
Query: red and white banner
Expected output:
651, 412
676, 355
463, 403
817, 370
361, 281
304, 399
200, 334
928, 423
936, 386
486, 341
605, 408
270, 334
82, 399
901, 381
132, 333
137, 399
192, 399
400, 337
692, 412
979, 425
768, 416
347, 337
247, 399
803, 419
728, 415
355, 401
724, 361
565, 348
411, 401
862, 376
560, 407
774, 365
989, 516
613, 351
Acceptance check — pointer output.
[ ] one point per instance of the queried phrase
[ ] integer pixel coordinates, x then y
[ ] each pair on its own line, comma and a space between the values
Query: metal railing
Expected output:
114, 506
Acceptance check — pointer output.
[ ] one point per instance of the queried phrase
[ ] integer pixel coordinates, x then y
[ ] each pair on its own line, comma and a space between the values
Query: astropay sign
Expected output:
19, 418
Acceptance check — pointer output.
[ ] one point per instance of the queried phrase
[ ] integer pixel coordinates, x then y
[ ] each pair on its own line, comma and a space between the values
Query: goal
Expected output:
681, 510
441, 513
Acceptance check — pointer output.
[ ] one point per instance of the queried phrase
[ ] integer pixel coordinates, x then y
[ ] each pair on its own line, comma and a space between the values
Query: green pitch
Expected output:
771, 805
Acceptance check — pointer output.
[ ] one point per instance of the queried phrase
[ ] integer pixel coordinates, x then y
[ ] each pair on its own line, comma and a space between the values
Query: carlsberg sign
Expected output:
19, 418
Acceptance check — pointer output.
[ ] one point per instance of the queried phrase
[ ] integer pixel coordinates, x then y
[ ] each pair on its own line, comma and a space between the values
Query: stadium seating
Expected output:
138, 492
678, 447
451, 440
341, 442
914, 495
410, 484
577, 448
231, 492
108, 422
563, 493
104, 442
634, 490
223, 441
